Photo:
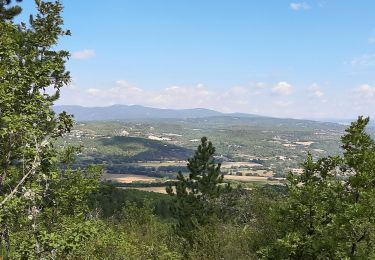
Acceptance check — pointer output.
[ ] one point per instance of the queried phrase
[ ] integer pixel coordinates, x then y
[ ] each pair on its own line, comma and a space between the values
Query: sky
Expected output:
303, 59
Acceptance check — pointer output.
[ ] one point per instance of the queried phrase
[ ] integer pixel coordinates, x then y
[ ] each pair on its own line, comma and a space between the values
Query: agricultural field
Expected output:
246, 146
153, 184
129, 178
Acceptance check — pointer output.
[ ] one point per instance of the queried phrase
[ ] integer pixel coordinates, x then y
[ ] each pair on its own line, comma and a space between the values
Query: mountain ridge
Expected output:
138, 112
126, 112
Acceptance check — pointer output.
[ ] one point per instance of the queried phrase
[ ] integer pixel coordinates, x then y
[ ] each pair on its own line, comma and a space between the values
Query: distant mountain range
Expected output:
124, 112
346, 121
137, 112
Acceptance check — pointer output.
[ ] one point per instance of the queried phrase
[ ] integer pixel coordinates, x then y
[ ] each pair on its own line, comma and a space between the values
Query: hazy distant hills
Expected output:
137, 112
124, 112
347, 121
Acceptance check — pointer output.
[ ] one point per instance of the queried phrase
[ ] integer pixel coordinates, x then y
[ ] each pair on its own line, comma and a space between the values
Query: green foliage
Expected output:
195, 194
108, 201
329, 213
8, 13
66, 237
43, 201
220, 241
139, 235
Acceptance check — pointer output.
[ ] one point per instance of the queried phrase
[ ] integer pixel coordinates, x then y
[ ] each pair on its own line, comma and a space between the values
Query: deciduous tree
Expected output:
329, 213
42, 210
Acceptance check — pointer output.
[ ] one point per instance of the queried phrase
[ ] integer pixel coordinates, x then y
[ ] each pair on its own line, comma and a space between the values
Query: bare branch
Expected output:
32, 171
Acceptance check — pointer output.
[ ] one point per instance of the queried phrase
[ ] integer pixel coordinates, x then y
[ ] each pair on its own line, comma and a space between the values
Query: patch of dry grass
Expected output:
128, 178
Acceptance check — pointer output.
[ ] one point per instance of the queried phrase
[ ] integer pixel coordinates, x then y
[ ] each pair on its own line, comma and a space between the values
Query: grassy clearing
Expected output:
129, 178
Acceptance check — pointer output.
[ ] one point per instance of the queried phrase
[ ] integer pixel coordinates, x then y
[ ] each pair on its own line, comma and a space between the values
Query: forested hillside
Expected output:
279, 145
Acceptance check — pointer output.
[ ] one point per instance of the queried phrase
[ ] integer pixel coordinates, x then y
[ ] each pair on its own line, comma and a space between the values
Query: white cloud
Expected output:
260, 85
364, 60
249, 98
123, 85
84, 54
362, 101
299, 6
316, 90
93, 90
365, 91
282, 88
280, 100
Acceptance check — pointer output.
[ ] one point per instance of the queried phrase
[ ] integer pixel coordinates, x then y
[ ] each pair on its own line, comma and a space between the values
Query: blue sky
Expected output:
304, 59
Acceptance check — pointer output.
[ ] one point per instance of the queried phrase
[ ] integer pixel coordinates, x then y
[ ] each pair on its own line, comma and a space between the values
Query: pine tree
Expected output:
195, 194
8, 13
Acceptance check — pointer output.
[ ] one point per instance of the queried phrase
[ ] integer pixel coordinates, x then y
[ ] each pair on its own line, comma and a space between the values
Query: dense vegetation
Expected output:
43, 206
119, 150
52, 210
277, 143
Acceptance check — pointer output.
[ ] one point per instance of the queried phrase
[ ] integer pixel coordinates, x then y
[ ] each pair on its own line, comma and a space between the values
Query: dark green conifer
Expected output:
195, 194
8, 12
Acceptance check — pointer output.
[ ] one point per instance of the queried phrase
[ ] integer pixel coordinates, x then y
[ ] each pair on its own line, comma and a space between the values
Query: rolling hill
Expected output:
124, 112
